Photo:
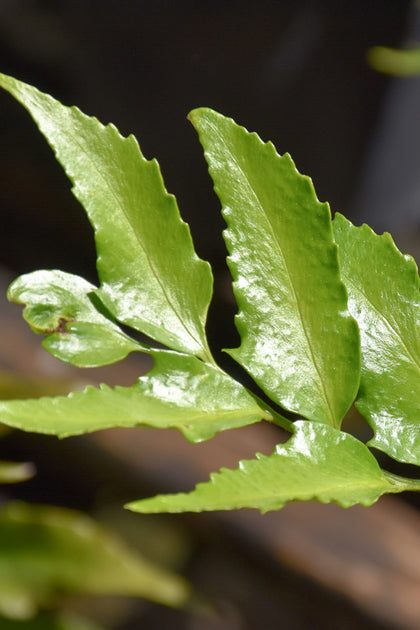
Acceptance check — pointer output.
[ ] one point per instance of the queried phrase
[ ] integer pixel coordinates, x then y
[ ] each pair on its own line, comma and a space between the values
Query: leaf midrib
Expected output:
308, 343
395, 333
154, 272
287, 498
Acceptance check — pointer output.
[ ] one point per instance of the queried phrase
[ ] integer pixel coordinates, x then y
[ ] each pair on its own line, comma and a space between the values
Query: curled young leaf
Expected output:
151, 278
66, 309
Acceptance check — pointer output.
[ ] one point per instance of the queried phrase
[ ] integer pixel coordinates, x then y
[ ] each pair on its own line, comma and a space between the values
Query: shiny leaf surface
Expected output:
298, 340
151, 277
46, 550
317, 463
383, 288
62, 306
179, 392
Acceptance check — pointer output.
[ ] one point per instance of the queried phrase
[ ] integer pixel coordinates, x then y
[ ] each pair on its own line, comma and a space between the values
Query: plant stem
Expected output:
402, 483
283, 422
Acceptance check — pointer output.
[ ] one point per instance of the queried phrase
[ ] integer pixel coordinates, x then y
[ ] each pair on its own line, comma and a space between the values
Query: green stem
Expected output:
283, 422
276, 417
402, 483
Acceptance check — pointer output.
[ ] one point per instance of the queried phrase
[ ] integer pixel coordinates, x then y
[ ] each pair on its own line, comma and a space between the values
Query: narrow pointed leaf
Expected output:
383, 288
61, 306
317, 463
179, 392
298, 340
151, 277
46, 550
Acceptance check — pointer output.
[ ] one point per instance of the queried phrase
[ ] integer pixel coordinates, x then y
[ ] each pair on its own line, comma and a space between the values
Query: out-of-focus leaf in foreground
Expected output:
317, 463
383, 287
62, 306
179, 392
14, 472
298, 341
398, 62
47, 551
44, 621
151, 277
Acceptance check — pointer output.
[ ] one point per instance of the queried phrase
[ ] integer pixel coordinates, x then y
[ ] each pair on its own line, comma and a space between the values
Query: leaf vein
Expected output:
254, 194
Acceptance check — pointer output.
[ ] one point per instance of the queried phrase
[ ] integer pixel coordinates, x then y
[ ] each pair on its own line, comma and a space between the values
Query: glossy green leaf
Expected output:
298, 340
179, 392
14, 472
151, 277
45, 551
383, 288
62, 306
317, 463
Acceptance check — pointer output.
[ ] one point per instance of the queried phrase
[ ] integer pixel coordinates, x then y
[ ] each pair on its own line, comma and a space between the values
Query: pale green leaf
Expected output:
180, 392
14, 472
298, 340
45, 621
383, 288
317, 463
62, 306
45, 551
151, 277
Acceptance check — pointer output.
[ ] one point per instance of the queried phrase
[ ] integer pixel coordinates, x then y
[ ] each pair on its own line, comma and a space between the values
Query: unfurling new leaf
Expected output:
151, 277
65, 308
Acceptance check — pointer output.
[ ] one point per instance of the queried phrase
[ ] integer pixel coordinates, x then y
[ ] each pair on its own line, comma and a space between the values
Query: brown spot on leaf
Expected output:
60, 328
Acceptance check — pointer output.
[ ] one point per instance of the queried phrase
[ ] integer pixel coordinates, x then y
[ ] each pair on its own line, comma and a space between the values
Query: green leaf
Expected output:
298, 340
14, 472
383, 288
45, 551
179, 392
400, 63
151, 277
44, 621
62, 306
317, 463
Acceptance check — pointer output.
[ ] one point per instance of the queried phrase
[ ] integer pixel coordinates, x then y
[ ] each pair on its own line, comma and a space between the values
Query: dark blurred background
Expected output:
295, 71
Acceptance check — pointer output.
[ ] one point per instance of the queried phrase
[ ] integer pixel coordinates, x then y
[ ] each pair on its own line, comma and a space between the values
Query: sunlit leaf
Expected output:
180, 392
45, 551
299, 342
384, 298
62, 306
317, 463
151, 277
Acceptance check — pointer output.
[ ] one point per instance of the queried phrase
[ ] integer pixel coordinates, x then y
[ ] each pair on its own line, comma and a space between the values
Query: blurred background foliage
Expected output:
295, 71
